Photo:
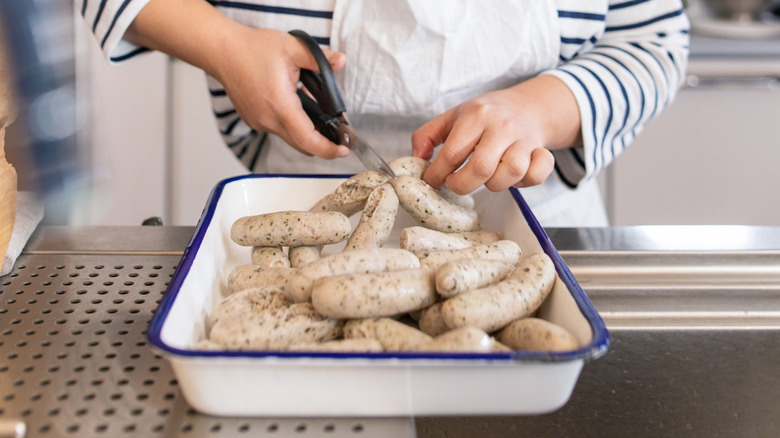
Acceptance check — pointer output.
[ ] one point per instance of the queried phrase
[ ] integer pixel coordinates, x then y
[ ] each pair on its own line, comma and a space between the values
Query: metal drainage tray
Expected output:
74, 359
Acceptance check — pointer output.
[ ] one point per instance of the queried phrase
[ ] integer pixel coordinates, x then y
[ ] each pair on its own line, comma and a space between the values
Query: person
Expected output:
539, 95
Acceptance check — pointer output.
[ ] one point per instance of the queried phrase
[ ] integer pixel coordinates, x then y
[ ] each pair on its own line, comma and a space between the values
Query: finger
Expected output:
541, 166
337, 60
428, 136
481, 165
453, 153
299, 132
511, 168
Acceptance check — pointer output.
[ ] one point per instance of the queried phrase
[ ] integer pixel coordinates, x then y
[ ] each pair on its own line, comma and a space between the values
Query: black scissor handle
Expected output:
323, 85
323, 123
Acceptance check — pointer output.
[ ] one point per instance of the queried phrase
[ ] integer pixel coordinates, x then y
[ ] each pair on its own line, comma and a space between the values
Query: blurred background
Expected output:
114, 145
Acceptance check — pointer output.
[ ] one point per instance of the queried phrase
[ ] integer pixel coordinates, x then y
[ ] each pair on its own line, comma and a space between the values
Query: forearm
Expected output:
190, 30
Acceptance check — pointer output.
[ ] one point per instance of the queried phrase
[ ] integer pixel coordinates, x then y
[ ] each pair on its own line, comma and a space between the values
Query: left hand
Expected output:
505, 135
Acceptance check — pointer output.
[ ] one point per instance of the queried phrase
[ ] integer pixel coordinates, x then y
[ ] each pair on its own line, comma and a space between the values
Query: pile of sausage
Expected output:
449, 287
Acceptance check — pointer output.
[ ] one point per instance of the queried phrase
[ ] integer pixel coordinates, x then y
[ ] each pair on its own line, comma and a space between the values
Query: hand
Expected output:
260, 74
259, 68
505, 135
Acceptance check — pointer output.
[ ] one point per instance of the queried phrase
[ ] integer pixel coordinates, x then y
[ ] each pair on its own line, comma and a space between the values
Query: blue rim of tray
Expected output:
595, 349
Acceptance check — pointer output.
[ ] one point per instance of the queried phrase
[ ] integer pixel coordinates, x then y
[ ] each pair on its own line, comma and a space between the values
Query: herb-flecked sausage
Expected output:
422, 202
303, 255
350, 262
291, 228
349, 196
275, 329
504, 250
464, 339
493, 307
538, 335
376, 221
374, 294
431, 322
412, 166
342, 345
269, 257
251, 276
421, 240
460, 275
392, 335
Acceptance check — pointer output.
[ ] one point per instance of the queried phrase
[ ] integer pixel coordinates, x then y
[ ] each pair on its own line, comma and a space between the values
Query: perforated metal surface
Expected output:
74, 359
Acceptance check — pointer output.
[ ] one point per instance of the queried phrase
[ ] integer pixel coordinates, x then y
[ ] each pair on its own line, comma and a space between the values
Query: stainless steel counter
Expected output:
693, 312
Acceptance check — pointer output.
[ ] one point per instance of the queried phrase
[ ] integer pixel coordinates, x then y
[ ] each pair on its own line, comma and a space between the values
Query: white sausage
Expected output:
493, 307
412, 166
248, 301
465, 201
421, 240
391, 334
537, 335
349, 196
269, 257
250, 276
425, 205
504, 250
291, 228
303, 255
345, 345
464, 339
374, 294
461, 275
431, 322
350, 262
377, 219
275, 329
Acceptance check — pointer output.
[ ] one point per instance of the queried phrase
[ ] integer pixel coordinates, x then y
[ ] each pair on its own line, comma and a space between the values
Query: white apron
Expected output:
409, 61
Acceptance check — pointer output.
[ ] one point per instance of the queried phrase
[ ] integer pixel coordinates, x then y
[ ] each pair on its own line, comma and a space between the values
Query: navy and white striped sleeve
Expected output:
108, 20
624, 65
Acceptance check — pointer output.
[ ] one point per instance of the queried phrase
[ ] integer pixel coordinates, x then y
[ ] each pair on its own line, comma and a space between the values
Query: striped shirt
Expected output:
624, 61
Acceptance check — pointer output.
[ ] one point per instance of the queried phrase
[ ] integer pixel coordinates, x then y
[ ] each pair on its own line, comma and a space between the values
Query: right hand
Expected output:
259, 69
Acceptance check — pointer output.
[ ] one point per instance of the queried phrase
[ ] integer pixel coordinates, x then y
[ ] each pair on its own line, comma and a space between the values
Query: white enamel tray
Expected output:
274, 384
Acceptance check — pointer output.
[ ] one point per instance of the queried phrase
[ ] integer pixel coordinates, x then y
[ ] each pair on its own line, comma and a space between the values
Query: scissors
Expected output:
327, 109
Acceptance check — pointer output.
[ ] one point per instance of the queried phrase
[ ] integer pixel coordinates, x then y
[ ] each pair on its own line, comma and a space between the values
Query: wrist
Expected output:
556, 109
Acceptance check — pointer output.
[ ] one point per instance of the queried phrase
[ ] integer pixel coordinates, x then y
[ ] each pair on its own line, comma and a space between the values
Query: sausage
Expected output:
291, 228
275, 329
538, 335
208, 345
504, 250
248, 301
374, 294
345, 345
251, 276
493, 307
464, 339
391, 334
422, 202
461, 275
350, 262
465, 201
420, 239
431, 322
377, 219
412, 166
269, 257
349, 196
303, 255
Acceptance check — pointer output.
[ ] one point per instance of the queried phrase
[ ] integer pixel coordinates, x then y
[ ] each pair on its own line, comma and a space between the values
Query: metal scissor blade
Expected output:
363, 151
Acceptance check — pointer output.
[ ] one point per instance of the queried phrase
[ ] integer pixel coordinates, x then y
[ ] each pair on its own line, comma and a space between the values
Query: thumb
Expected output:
336, 59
